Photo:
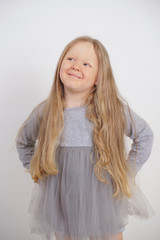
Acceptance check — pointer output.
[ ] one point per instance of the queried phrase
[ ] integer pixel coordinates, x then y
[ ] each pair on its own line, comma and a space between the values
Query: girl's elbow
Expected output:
151, 136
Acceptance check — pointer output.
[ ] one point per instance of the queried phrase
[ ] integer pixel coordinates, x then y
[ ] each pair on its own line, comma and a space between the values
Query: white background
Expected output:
33, 35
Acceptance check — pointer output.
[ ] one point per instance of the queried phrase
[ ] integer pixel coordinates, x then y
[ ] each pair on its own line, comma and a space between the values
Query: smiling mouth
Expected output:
74, 76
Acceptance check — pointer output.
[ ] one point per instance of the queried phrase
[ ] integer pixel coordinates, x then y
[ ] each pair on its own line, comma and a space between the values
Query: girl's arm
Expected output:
26, 139
144, 137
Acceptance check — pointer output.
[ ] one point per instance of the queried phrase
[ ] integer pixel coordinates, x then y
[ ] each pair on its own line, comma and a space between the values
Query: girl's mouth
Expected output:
74, 76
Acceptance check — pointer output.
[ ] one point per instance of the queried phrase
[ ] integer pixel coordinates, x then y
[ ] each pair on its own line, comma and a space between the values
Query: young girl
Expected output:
73, 145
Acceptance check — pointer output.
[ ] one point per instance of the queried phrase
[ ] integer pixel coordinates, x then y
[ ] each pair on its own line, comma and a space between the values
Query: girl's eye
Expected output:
70, 58
86, 64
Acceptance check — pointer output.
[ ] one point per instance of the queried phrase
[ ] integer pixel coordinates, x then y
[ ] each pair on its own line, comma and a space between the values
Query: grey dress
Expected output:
74, 204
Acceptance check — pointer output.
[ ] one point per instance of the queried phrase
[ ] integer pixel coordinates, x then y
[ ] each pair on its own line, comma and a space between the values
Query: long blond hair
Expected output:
105, 109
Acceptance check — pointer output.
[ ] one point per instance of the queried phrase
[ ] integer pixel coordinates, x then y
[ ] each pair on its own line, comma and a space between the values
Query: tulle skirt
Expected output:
75, 205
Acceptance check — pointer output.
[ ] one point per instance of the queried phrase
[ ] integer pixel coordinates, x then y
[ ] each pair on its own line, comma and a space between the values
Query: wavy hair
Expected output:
105, 109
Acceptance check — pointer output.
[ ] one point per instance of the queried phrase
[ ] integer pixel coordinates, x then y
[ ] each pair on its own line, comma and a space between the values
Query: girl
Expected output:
73, 146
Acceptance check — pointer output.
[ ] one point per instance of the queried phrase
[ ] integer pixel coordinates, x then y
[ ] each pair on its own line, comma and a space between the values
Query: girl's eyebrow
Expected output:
87, 60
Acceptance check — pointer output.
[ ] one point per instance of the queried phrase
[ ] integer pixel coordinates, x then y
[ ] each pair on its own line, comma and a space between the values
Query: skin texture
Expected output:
80, 60
119, 235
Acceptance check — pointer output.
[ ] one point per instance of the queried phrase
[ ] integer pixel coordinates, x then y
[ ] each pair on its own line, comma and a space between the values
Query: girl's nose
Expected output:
75, 66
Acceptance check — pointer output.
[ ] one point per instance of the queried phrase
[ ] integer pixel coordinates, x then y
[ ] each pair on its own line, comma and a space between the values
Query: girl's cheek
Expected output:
65, 66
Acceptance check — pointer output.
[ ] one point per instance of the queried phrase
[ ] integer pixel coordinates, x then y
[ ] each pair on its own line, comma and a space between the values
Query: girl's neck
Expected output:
73, 105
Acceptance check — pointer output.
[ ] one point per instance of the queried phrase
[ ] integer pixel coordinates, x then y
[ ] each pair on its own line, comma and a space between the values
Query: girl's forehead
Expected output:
81, 46
84, 49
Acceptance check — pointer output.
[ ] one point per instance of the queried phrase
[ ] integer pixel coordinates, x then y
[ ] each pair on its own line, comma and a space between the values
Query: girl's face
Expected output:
79, 68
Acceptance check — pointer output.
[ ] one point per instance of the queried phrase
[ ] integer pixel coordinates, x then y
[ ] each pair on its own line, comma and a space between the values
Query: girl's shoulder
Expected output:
40, 107
131, 116
36, 113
